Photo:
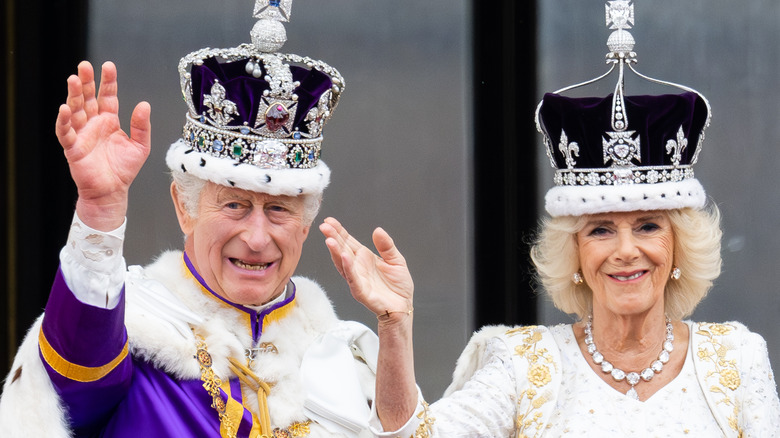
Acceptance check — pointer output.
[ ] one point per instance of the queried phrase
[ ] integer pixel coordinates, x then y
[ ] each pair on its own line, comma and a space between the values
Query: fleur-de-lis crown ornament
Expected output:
619, 152
255, 115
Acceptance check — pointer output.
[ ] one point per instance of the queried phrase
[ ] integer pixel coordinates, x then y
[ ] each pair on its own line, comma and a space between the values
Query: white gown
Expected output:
534, 382
588, 406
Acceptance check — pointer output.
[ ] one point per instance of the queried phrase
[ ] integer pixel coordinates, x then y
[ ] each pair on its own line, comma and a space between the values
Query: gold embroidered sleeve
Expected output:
424, 430
542, 368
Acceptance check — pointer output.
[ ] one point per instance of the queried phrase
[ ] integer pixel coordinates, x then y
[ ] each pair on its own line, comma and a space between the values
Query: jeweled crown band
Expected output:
238, 144
618, 176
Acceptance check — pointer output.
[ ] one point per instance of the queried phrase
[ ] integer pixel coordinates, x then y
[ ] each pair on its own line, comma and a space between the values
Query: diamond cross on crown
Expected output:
620, 14
278, 10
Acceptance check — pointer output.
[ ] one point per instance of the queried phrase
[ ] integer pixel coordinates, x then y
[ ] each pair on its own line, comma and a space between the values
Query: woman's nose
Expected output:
627, 249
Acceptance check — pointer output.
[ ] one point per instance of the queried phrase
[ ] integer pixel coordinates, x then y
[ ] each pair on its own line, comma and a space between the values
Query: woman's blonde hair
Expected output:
697, 237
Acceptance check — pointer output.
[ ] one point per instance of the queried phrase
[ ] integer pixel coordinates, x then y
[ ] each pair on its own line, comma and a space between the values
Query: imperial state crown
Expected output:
255, 116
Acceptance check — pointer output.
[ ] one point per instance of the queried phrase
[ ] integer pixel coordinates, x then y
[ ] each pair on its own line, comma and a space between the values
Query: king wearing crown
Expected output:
220, 339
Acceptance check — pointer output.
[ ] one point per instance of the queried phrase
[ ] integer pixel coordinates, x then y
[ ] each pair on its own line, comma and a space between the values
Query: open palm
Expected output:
103, 159
380, 282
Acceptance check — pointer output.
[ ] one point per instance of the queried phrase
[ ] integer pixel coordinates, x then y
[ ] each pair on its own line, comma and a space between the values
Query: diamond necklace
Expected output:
633, 377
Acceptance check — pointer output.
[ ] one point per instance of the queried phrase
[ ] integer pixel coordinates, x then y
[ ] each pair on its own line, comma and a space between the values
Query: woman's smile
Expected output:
628, 277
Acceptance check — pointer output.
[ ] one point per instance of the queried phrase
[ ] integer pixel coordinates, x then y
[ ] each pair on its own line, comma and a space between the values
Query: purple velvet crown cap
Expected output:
246, 90
656, 119
646, 165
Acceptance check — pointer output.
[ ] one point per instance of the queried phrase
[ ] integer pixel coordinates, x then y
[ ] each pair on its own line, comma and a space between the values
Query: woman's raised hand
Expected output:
103, 159
380, 282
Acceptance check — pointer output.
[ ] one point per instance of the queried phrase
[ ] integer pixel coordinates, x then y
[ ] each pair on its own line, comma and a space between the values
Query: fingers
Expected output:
379, 283
141, 125
75, 101
384, 244
350, 242
335, 254
107, 100
81, 92
338, 230
87, 79
341, 246
344, 261
386, 247
333, 229
65, 133
333, 243
81, 96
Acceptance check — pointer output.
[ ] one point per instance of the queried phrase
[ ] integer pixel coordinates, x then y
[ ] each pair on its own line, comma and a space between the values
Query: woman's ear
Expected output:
186, 221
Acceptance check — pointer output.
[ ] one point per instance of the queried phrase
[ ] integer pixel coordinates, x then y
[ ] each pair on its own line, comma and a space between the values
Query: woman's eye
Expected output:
598, 231
649, 227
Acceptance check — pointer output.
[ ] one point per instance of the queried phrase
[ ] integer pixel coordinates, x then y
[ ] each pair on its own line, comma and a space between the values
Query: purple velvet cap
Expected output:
246, 91
644, 164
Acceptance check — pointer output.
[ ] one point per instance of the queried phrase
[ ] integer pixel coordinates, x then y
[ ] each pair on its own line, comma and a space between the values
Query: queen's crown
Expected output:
602, 146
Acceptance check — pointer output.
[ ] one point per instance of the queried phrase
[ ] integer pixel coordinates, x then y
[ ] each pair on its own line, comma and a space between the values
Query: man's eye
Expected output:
233, 205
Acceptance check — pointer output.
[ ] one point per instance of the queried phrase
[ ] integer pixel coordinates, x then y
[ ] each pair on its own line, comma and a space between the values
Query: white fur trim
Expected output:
579, 200
223, 171
29, 405
471, 359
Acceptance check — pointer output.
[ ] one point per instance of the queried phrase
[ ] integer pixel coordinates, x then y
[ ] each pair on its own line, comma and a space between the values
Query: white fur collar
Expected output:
162, 341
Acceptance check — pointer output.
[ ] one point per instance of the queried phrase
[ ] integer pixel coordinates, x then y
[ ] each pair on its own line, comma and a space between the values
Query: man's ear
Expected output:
186, 221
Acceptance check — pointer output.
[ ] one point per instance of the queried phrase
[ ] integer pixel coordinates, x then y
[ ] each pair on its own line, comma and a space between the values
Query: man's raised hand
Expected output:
102, 158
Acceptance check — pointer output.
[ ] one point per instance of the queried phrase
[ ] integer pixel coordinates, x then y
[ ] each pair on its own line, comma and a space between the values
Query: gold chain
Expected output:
212, 382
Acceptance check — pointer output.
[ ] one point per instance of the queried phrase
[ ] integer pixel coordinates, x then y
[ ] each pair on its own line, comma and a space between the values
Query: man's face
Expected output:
245, 245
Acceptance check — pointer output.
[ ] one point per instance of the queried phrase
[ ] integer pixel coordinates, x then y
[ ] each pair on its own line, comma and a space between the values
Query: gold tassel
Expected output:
262, 389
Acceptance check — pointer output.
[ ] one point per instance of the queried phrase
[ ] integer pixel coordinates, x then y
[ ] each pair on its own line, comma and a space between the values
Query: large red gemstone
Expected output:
276, 117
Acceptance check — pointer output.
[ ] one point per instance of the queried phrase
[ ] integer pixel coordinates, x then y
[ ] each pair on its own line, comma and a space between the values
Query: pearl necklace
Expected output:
633, 377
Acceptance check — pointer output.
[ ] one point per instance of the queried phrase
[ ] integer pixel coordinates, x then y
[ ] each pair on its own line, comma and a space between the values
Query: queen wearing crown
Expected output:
630, 247
220, 339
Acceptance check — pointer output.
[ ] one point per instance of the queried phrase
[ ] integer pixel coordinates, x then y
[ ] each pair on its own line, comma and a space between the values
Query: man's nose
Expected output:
256, 231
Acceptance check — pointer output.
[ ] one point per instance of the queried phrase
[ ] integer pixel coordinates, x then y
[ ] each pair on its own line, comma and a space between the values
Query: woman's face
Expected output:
626, 259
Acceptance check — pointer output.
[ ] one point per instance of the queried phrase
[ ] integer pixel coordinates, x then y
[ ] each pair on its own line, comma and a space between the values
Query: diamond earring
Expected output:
676, 273
577, 279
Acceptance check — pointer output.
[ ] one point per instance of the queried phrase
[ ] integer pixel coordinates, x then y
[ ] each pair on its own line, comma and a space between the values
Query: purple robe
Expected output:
107, 392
